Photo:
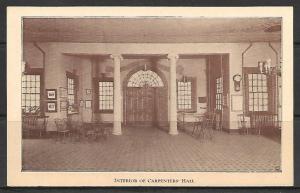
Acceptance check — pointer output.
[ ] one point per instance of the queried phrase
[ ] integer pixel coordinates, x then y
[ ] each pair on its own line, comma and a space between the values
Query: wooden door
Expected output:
218, 67
140, 109
225, 109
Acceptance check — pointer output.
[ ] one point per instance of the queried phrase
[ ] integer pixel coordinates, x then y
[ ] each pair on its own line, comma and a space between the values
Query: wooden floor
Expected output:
150, 149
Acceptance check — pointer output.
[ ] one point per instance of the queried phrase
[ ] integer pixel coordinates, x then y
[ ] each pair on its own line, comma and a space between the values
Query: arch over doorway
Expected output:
145, 94
144, 78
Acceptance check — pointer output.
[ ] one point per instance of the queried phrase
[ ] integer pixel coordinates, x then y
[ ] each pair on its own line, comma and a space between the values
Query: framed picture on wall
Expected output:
51, 94
51, 106
88, 91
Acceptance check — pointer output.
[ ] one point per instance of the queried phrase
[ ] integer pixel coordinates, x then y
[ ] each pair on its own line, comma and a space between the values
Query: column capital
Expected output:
116, 57
173, 56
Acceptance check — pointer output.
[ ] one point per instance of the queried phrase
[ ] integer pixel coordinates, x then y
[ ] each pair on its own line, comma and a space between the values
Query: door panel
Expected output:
140, 106
161, 106
225, 109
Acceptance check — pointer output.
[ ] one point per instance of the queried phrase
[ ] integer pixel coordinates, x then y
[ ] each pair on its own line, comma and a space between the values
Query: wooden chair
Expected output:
264, 122
41, 125
243, 123
29, 124
25, 126
198, 127
76, 130
208, 125
62, 129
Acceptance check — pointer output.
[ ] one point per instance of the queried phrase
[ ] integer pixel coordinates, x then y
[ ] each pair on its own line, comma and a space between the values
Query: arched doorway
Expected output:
145, 101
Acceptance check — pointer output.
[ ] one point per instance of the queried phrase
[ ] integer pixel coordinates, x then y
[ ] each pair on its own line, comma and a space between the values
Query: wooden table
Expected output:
95, 130
193, 119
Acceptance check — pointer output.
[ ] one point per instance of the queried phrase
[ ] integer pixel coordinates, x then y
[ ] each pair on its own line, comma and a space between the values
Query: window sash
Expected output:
219, 93
71, 91
31, 92
72, 85
258, 95
184, 95
105, 95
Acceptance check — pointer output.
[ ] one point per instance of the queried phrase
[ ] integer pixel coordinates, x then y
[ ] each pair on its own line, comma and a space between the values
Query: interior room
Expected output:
151, 94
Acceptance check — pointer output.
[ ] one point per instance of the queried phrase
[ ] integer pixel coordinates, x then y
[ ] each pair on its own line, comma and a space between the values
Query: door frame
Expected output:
137, 67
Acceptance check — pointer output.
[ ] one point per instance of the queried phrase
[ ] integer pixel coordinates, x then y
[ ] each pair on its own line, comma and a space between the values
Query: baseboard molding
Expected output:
231, 131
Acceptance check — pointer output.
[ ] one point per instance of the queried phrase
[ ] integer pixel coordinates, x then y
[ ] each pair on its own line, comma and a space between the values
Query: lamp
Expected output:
265, 67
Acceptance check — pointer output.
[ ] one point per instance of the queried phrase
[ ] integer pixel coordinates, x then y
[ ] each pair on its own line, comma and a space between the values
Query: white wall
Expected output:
57, 63
258, 51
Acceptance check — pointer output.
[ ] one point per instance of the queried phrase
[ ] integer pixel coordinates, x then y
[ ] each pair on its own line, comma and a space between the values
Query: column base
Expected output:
117, 130
173, 128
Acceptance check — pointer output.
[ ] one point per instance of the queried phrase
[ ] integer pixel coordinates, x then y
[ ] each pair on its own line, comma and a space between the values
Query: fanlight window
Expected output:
145, 78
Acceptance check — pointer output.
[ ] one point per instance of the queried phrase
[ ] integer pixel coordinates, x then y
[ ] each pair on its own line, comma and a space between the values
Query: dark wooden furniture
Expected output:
76, 130
243, 124
96, 130
263, 122
195, 124
34, 124
62, 130
208, 125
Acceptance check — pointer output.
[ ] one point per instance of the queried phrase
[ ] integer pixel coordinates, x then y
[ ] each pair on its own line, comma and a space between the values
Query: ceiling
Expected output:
151, 30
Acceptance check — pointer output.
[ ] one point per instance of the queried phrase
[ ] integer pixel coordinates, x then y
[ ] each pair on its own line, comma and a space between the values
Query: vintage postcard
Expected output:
156, 96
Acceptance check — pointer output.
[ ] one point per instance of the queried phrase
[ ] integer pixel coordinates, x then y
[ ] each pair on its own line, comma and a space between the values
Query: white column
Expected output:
117, 130
173, 95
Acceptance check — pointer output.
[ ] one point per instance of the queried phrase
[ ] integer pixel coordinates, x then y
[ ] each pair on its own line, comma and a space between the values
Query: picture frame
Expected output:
51, 106
88, 91
51, 94
236, 103
88, 104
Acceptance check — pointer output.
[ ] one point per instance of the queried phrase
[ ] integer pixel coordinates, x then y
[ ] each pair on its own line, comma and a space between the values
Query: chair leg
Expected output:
193, 129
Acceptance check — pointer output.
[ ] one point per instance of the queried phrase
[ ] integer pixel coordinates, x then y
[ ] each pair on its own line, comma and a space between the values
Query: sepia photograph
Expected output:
167, 95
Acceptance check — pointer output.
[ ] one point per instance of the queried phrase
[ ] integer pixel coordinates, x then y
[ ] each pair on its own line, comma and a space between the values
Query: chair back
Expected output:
209, 120
61, 124
241, 121
267, 120
76, 125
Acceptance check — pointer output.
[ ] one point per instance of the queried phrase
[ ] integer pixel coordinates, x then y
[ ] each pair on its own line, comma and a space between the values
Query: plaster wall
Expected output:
57, 63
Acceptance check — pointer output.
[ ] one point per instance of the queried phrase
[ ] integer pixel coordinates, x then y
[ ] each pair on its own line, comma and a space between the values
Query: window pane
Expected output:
105, 95
30, 86
184, 93
258, 92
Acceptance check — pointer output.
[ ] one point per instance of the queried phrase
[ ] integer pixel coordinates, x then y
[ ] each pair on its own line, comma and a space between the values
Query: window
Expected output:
258, 92
71, 91
106, 95
145, 78
219, 93
31, 93
184, 95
